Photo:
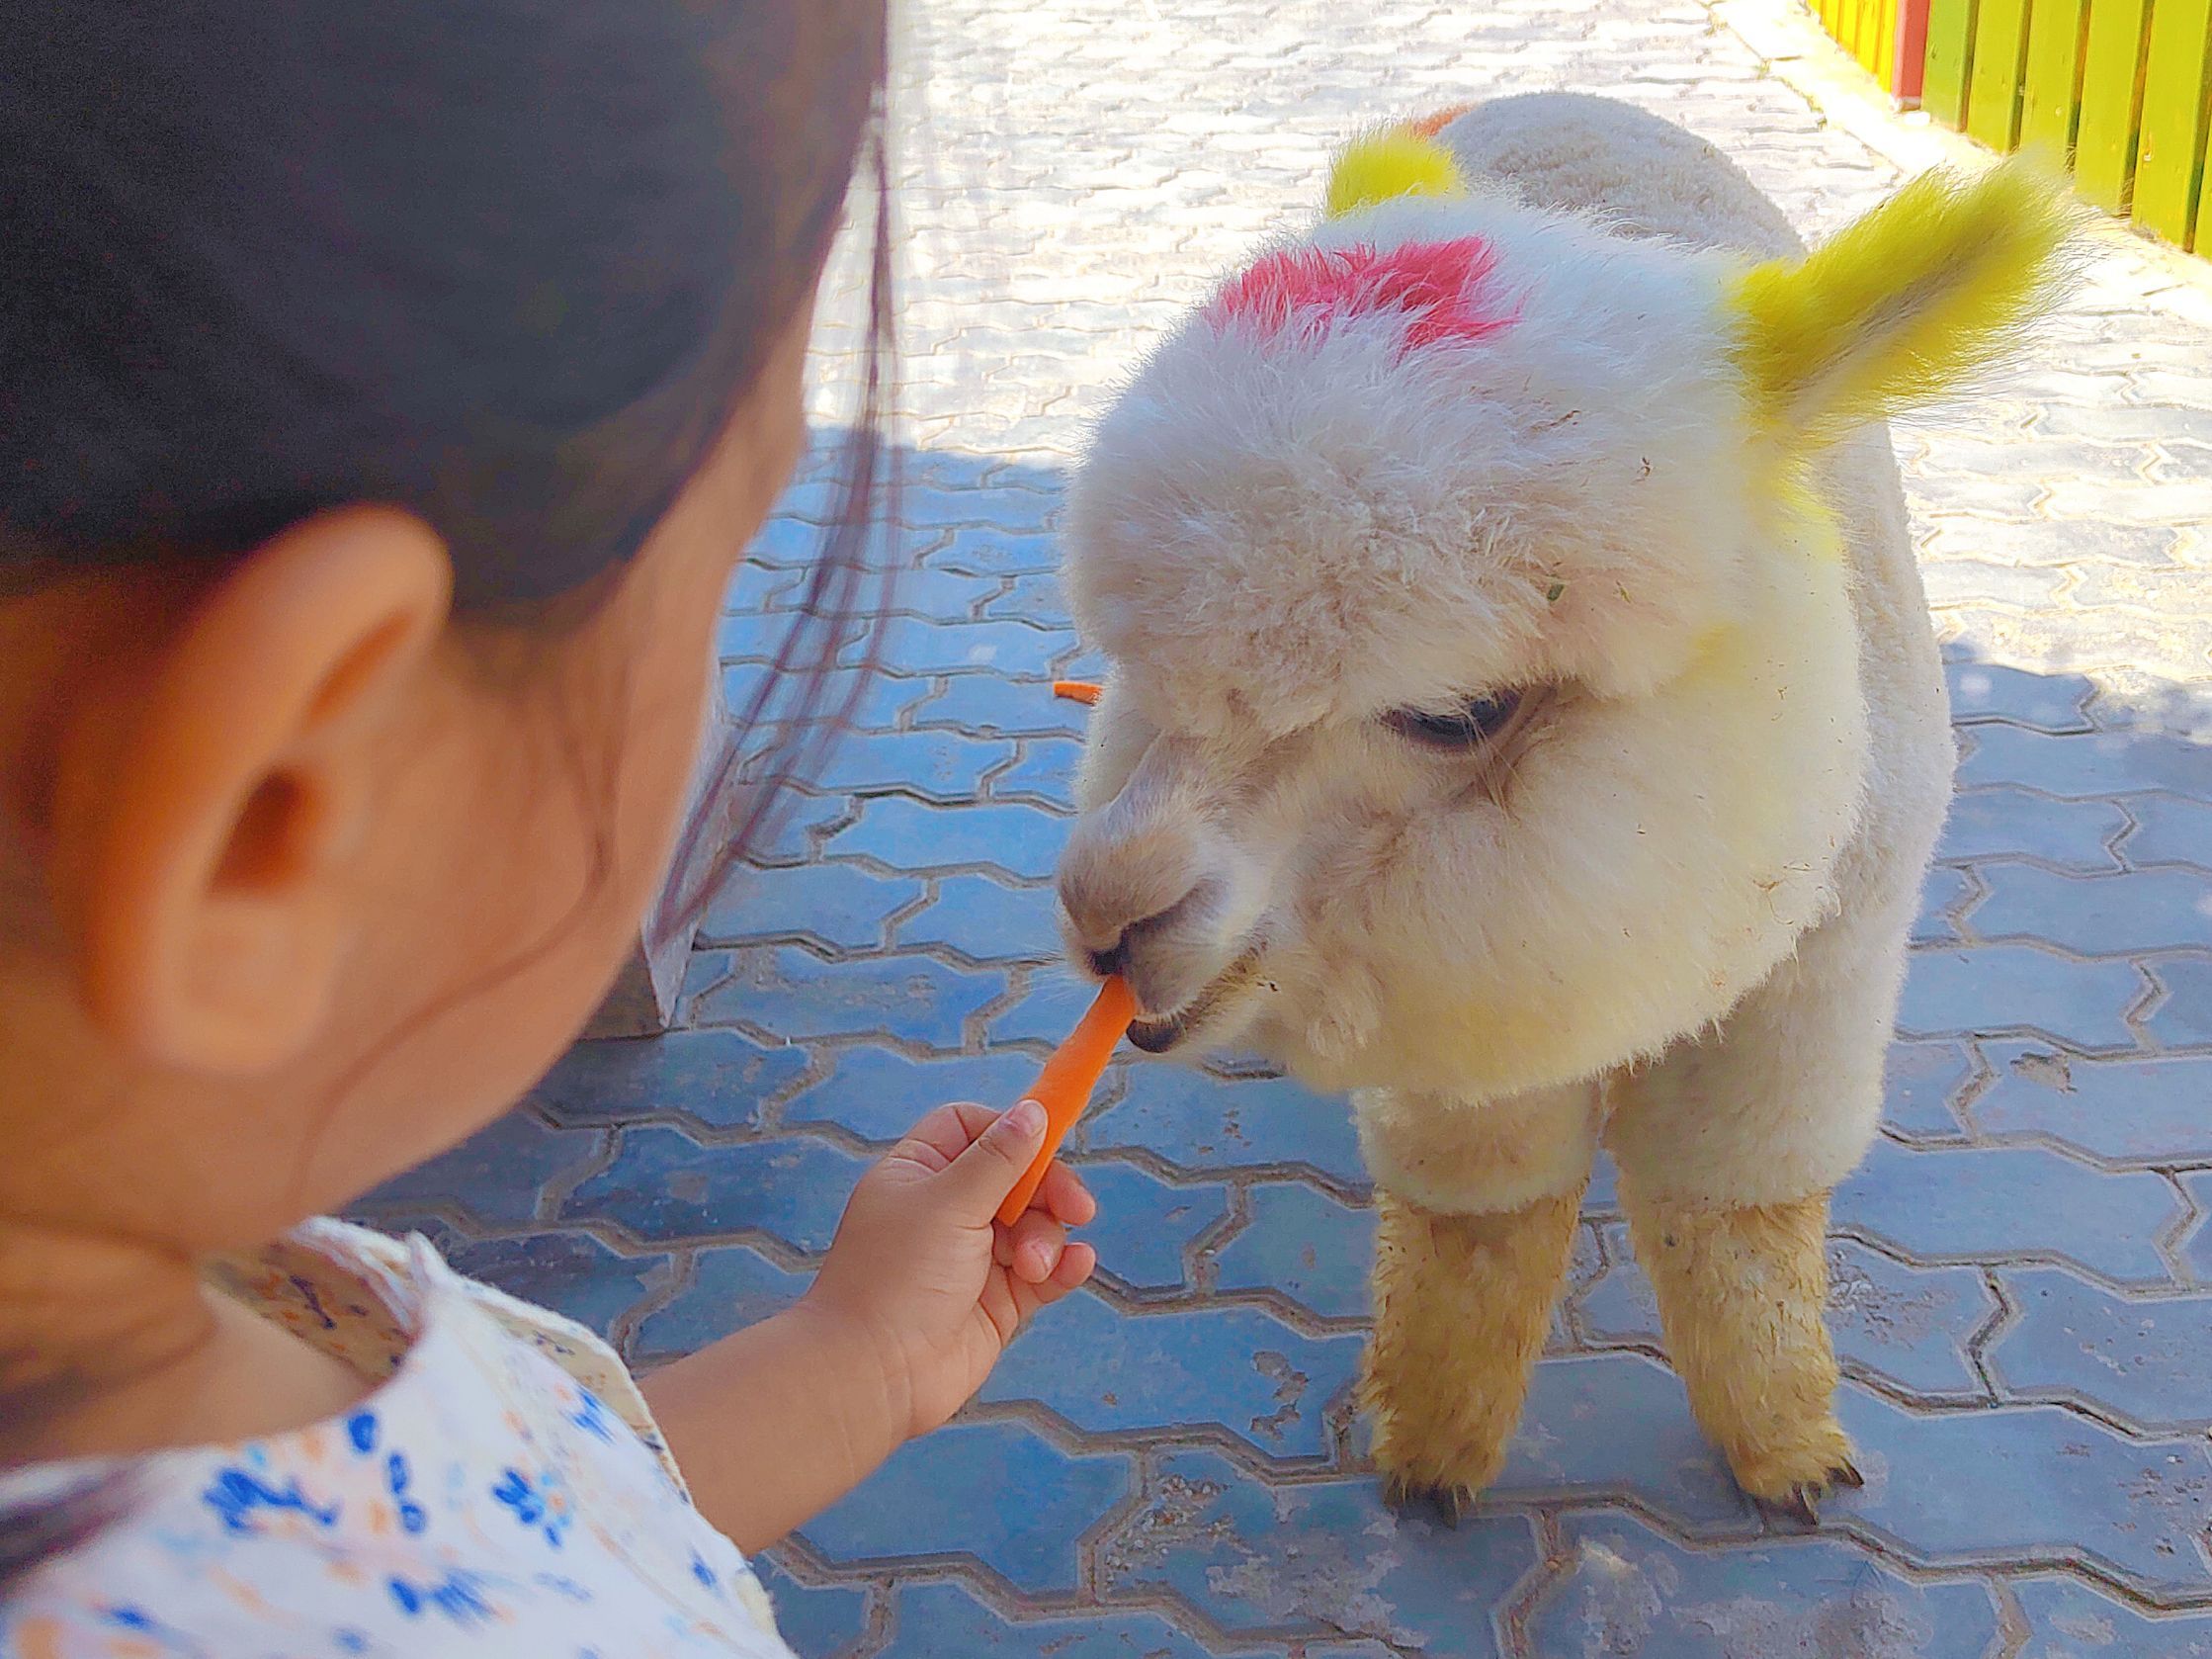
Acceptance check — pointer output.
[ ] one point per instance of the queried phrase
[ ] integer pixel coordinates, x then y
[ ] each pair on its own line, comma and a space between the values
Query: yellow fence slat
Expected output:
1950, 48
2170, 149
1884, 45
2111, 101
1993, 99
2051, 98
2203, 243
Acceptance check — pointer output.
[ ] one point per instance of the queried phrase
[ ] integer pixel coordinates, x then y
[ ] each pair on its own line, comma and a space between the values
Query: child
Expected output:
387, 392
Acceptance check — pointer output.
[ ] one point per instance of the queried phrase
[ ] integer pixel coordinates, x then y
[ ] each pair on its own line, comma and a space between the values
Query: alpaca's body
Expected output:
1526, 717
1783, 1102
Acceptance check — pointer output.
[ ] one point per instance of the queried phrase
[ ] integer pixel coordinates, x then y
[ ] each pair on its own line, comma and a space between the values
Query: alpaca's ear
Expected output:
1904, 306
1386, 163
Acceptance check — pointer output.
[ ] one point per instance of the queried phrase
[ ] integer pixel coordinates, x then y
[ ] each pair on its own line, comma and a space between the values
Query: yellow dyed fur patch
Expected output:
1904, 304
1383, 165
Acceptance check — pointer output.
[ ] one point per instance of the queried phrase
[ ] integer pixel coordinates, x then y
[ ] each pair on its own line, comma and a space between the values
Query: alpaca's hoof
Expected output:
1800, 1500
1411, 1497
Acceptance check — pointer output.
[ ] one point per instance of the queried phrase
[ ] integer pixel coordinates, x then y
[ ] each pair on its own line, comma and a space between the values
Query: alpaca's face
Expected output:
1473, 721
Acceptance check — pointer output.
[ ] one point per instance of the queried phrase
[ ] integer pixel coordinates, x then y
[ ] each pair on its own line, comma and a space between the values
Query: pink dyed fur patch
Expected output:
1302, 292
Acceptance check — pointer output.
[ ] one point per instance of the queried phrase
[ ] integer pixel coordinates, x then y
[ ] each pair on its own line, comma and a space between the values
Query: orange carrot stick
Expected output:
1063, 1087
1078, 691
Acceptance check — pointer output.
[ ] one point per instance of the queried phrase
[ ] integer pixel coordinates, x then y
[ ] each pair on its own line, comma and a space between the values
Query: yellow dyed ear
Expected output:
1904, 304
1383, 165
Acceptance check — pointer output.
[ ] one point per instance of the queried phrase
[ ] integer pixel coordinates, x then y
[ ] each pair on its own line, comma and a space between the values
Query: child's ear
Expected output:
206, 801
1904, 304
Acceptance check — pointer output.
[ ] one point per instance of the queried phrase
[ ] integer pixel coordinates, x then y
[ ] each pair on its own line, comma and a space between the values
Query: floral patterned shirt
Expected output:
502, 1491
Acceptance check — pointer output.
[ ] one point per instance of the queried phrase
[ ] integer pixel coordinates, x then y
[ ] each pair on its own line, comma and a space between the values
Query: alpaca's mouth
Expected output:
1158, 1033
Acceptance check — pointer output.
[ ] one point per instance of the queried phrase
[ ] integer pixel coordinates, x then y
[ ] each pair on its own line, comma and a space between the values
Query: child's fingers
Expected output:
944, 1134
1076, 1266
977, 1181
1037, 1242
1065, 1197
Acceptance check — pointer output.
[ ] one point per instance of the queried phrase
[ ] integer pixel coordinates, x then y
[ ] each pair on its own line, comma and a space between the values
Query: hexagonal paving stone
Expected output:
1319, 1559
791, 992
665, 1187
1920, 1080
1619, 1423
2098, 916
820, 1621
719, 1080
2003, 823
797, 820
497, 1175
998, 1492
1197, 1120
2183, 1016
994, 552
1006, 836
1300, 1241
2151, 1110
878, 1094
942, 595
1995, 989
2067, 1619
2048, 701
2104, 763
839, 904
987, 921
1009, 649
2196, 1242
731, 1286
1630, 1590
946, 1620
2144, 1361
2170, 831
941, 766
2030, 1483
1145, 1224
1105, 1371
1035, 598
1045, 772
1941, 895
1910, 1325
984, 704
1980, 1204
573, 1274
758, 635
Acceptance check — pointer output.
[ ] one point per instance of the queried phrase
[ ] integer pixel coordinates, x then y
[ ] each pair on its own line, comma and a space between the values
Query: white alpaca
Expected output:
1524, 713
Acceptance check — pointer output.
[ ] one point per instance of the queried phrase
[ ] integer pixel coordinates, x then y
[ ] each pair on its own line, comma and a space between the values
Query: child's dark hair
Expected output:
508, 264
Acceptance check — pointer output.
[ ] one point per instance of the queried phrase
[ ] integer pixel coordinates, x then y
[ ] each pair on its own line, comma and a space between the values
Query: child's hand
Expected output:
921, 1266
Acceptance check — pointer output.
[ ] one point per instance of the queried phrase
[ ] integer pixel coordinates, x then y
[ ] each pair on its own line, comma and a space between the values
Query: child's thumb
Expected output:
982, 1176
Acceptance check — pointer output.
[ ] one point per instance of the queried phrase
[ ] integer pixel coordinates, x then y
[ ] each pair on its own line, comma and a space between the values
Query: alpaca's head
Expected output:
1483, 705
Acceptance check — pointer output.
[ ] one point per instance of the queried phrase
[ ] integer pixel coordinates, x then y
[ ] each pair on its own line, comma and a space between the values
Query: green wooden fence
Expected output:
2120, 90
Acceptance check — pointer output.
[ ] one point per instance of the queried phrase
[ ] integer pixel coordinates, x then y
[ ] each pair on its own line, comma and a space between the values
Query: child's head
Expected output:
386, 392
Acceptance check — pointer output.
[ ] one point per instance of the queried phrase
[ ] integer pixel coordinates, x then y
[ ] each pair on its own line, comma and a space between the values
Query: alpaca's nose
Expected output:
1145, 892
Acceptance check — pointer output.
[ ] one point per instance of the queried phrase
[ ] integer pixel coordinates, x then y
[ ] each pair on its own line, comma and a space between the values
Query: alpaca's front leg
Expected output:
1477, 1218
1461, 1303
1742, 1294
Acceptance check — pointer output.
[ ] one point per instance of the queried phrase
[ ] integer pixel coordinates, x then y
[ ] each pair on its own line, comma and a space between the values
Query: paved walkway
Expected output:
1169, 1468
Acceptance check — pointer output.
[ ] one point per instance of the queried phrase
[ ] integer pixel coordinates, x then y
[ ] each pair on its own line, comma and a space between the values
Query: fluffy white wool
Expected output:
1686, 895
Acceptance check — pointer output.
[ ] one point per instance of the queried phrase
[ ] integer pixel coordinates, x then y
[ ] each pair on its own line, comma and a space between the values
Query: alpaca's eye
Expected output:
1473, 721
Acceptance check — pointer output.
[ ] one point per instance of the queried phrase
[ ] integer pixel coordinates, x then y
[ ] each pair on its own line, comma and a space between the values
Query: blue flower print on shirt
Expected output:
457, 1596
591, 1416
533, 1505
237, 1494
704, 1573
361, 1428
412, 1518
